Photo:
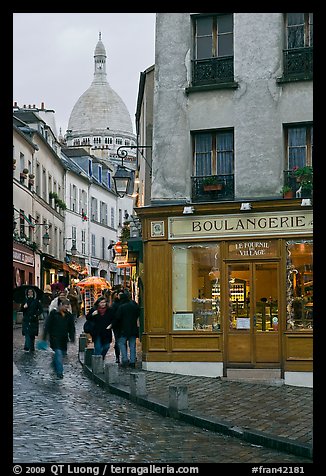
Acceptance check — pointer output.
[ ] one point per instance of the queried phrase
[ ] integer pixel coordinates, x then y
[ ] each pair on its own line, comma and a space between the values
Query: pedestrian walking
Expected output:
126, 319
46, 301
73, 298
115, 329
60, 328
54, 304
101, 315
32, 309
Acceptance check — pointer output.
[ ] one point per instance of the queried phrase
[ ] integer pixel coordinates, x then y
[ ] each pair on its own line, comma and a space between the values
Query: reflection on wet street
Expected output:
74, 420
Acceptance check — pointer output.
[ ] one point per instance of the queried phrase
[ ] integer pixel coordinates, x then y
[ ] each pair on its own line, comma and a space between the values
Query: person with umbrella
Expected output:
32, 309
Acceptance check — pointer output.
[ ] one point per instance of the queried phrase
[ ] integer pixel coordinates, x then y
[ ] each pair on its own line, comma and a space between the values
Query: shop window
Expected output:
195, 287
299, 287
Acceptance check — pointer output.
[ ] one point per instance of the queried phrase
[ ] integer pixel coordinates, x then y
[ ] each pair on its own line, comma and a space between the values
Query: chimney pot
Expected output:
42, 105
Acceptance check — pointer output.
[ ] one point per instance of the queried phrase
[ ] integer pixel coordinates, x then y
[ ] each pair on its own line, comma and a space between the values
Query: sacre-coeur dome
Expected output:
99, 108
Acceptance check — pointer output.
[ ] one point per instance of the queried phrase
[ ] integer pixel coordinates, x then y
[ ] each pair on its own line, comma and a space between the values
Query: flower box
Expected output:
212, 187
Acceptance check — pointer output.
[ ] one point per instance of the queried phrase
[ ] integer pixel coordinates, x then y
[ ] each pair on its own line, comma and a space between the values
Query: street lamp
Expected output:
46, 238
122, 179
123, 176
73, 249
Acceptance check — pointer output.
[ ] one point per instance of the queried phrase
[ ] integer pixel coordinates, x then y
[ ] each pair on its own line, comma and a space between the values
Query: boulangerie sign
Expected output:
249, 224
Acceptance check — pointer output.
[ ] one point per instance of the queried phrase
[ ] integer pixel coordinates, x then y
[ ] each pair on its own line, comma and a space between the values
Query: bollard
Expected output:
19, 317
89, 351
138, 384
111, 373
82, 343
97, 364
178, 397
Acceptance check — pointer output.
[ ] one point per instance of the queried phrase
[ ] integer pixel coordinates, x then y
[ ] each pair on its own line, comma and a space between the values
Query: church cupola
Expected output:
99, 61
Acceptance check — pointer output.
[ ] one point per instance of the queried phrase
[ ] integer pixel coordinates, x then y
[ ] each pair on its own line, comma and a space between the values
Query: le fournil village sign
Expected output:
250, 224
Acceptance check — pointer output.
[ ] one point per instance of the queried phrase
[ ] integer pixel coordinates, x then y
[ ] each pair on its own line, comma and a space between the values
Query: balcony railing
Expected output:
298, 63
212, 71
202, 193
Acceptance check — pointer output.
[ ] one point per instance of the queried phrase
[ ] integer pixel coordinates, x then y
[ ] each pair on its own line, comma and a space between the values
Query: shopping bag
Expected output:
42, 345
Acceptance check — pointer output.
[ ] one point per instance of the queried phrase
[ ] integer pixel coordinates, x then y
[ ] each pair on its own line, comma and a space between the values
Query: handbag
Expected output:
89, 327
42, 345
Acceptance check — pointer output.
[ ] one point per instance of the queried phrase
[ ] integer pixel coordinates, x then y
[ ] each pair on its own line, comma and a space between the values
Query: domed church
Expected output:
100, 121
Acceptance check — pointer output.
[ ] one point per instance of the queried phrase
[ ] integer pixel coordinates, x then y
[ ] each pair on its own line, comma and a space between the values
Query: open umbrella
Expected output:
19, 294
95, 281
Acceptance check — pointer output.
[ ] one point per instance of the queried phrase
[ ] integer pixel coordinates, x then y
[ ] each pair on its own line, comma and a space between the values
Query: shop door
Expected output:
252, 327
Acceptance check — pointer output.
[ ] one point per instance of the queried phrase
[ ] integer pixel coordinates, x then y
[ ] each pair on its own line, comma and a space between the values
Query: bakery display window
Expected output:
299, 288
196, 287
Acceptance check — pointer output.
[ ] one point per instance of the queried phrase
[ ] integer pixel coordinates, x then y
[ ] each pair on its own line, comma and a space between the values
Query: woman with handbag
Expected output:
99, 317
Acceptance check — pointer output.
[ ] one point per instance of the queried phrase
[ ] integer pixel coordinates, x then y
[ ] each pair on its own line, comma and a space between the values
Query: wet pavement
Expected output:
76, 419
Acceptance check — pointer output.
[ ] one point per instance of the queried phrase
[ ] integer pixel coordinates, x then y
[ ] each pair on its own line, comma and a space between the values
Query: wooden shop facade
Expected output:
228, 289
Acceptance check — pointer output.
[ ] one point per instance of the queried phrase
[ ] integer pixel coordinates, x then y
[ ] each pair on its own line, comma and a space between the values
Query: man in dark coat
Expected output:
60, 327
32, 309
126, 319
116, 331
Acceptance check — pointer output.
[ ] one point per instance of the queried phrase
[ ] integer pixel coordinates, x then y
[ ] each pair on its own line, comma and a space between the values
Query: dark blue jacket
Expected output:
127, 319
60, 329
101, 323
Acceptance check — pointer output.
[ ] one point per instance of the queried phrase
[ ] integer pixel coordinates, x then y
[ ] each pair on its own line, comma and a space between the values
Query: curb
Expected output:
211, 424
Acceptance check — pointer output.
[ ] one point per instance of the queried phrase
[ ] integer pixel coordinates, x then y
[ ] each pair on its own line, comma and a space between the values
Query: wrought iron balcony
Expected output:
222, 189
298, 63
212, 71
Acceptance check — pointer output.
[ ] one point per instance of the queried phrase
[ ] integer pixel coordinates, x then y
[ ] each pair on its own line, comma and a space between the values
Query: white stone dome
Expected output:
99, 108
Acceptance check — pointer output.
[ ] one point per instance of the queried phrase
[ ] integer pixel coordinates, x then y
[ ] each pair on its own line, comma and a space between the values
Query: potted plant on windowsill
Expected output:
304, 176
23, 174
287, 192
212, 183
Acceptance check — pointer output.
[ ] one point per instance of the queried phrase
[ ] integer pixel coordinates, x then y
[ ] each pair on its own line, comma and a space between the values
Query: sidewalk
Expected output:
278, 417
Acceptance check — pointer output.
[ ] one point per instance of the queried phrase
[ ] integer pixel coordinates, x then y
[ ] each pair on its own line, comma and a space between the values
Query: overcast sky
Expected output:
53, 57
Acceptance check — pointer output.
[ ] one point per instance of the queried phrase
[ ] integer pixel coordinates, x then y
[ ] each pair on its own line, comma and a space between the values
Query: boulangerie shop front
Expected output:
227, 290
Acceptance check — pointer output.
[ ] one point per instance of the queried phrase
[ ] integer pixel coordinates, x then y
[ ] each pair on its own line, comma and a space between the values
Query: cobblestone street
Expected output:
75, 420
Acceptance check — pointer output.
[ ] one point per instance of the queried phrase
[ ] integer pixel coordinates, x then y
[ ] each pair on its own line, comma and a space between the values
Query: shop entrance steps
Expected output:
268, 376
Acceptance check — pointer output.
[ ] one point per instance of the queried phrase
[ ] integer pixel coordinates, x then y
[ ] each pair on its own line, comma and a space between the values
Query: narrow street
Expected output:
74, 420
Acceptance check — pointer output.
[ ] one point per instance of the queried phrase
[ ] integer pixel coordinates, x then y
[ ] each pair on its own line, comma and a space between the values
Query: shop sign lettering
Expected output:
241, 225
21, 257
252, 248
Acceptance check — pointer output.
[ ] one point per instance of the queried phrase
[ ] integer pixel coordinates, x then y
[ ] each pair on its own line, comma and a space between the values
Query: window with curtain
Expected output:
298, 51
299, 146
213, 153
299, 30
213, 49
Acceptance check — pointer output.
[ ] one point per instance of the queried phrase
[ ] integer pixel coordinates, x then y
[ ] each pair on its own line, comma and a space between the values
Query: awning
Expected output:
70, 270
54, 263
